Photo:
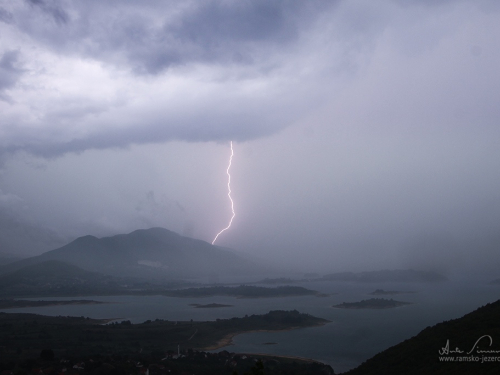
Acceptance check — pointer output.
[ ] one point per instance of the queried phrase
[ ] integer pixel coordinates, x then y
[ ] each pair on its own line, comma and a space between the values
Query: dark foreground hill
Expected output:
155, 252
70, 336
468, 345
88, 346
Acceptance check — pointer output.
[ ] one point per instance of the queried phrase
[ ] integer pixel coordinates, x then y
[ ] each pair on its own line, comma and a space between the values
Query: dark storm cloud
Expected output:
213, 32
5, 16
202, 127
52, 8
10, 71
226, 54
223, 31
106, 74
150, 37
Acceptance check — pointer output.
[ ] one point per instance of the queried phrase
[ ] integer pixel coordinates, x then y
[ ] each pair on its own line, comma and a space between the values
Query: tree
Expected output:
257, 369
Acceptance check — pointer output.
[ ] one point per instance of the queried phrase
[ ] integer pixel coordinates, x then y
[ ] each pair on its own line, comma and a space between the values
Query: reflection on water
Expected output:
350, 338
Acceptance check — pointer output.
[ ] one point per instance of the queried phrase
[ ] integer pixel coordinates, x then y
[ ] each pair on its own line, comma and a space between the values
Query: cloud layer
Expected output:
361, 128
75, 76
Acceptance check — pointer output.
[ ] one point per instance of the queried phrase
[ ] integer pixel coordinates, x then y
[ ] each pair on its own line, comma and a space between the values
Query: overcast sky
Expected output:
366, 133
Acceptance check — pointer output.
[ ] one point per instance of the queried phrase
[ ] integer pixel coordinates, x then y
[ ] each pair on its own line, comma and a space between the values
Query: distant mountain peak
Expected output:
132, 254
86, 238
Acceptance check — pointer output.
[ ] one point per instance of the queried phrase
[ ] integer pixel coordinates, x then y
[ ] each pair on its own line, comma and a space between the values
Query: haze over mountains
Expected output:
20, 238
158, 254
155, 252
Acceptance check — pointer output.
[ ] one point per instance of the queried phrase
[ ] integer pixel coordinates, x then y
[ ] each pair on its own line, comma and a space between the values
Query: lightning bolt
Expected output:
228, 194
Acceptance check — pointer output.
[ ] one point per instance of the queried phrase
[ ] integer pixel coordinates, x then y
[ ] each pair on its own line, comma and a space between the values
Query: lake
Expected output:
352, 336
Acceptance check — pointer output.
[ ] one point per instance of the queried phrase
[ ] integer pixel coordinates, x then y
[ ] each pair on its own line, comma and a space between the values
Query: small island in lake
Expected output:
208, 305
372, 303
381, 292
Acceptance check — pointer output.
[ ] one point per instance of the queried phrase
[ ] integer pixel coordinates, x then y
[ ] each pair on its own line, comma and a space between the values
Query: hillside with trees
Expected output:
464, 346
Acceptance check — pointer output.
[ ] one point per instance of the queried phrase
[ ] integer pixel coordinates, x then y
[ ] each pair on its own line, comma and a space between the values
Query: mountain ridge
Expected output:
154, 252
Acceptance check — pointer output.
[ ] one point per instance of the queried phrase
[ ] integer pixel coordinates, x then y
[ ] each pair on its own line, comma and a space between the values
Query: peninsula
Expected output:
208, 305
71, 336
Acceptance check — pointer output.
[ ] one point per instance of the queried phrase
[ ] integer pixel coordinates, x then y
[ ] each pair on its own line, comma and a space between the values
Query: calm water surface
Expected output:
352, 336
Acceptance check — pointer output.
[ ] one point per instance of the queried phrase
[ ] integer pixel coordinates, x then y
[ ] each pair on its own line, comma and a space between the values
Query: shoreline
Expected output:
294, 357
227, 340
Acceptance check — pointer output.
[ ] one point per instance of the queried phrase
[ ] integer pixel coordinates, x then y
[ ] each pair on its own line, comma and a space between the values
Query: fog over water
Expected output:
365, 134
